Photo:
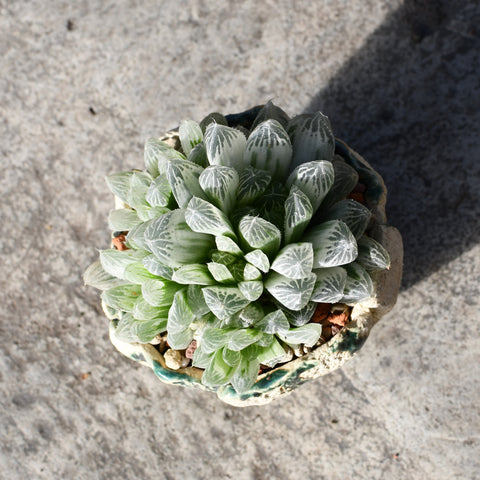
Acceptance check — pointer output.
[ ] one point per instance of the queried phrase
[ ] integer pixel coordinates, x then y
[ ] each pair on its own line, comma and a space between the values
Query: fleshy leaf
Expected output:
312, 138
252, 184
124, 330
271, 112
213, 117
199, 155
256, 233
329, 285
183, 176
123, 219
294, 260
139, 184
180, 317
136, 237
157, 154
179, 340
153, 265
252, 313
259, 260
190, 135
372, 255
97, 277
224, 301
245, 375
302, 316
196, 300
226, 244
159, 193
159, 293
218, 372
243, 337
269, 148
333, 244
225, 146
355, 215
137, 273
143, 311
298, 212
231, 357
359, 285
147, 331
272, 354
201, 359
114, 261
171, 239
214, 339
314, 179
122, 297
345, 179
194, 273
293, 294
251, 272
307, 335
119, 184
203, 217
220, 185
220, 272
251, 290
274, 322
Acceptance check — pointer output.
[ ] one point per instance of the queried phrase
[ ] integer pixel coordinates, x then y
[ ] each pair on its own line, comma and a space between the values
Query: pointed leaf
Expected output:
345, 179
220, 185
199, 155
224, 301
159, 193
137, 273
157, 154
218, 372
179, 340
272, 355
231, 357
293, 294
314, 179
355, 215
226, 244
143, 311
252, 184
220, 272
183, 176
214, 339
153, 265
259, 260
302, 316
372, 255
122, 297
243, 337
333, 244
159, 293
251, 273
271, 205
269, 148
225, 146
359, 286
245, 375
190, 135
123, 219
329, 285
271, 112
180, 317
251, 290
171, 240
194, 273
147, 331
274, 322
196, 300
136, 237
200, 358
213, 117
298, 212
114, 261
251, 314
201, 216
95, 276
307, 335
294, 260
256, 233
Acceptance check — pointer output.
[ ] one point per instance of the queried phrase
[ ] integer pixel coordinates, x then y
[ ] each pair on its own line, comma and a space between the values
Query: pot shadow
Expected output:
409, 101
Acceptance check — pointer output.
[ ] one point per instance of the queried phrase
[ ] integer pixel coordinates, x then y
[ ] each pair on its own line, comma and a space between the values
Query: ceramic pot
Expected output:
327, 357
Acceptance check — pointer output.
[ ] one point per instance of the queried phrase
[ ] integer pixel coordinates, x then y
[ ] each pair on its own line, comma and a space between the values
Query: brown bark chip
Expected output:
321, 313
340, 318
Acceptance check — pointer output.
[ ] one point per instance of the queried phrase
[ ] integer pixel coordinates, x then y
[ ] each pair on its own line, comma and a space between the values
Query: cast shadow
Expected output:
409, 101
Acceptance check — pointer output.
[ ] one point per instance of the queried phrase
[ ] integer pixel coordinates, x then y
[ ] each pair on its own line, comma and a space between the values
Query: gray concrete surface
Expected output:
82, 84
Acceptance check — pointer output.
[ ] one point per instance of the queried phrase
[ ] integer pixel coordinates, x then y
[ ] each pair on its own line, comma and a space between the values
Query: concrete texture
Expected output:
82, 84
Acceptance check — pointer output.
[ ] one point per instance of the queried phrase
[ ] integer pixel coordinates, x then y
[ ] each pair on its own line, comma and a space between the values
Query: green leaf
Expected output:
224, 258
190, 135
153, 265
199, 155
245, 375
272, 354
220, 272
298, 212
302, 316
231, 357
201, 359
372, 255
314, 179
147, 331
214, 339
139, 184
259, 260
355, 215
333, 244
292, 293
159, 193
257, 234
115, 261
179, 340
143, 311
274, 322
271, 112
195, 273
251, 273
196, 300
252, 313
312, 139
252, 184
220, 185
218, 372
124, 330
213, 117
345, 179
271, 205
122, 297
329, 285
307, 335
224, 301
225, 146
180, 317
203, 217
243, 337
226, 244
97, 277
159, 293
136, 237
137, 273
119, 184
269, 148
123, 219
294, 260
359, 286
183, 176
171, 240
157, 154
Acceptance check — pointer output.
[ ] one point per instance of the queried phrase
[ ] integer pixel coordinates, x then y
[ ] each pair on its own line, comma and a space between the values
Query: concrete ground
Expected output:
83, 84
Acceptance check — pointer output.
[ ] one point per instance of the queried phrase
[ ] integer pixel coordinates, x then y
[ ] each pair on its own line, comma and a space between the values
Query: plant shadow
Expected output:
409, 101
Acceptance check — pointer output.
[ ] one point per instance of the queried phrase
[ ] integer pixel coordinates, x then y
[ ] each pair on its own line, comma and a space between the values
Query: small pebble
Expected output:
175, 359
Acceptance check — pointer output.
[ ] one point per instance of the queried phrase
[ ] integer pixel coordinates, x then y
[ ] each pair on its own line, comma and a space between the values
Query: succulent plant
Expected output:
232, 240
